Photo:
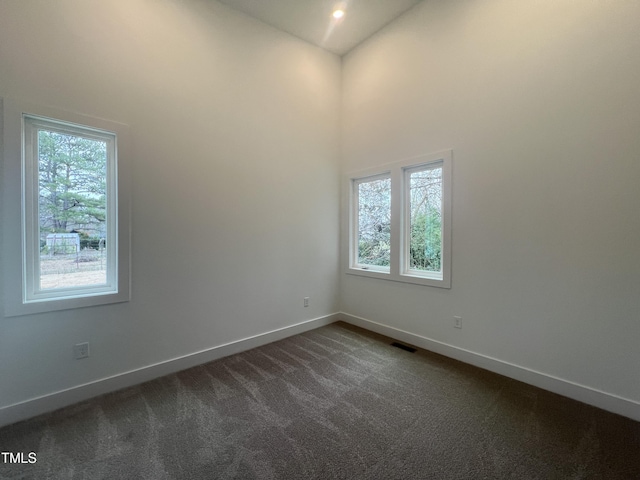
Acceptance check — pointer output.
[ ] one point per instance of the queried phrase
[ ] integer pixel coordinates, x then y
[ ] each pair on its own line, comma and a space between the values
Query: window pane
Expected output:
425, 192
374, 222
72, 210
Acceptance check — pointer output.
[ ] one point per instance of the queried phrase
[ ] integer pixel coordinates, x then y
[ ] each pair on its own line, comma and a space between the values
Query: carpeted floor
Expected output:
336, 402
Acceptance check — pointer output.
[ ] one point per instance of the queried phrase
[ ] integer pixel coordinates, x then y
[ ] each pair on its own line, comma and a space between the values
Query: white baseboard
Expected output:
53, 401
606, 401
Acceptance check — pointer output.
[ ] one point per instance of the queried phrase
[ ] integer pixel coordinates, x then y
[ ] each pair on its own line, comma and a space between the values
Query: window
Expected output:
70, 210
423, 222
73, 242
400, 221
373, 222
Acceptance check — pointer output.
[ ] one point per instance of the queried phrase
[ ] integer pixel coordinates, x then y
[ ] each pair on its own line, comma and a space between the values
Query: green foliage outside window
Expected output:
425, 247
72, 186
425, 243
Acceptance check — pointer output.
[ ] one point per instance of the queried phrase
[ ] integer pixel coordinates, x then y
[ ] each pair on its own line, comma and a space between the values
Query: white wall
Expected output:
540, 102
235, 178
235, 213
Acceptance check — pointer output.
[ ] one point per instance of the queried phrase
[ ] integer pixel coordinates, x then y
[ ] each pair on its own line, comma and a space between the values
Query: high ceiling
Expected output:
312, 20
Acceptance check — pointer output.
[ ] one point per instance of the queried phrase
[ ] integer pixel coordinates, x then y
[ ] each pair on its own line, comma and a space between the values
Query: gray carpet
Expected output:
334, 403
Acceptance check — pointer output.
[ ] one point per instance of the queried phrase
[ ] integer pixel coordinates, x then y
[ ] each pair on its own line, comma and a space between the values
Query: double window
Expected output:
400, 221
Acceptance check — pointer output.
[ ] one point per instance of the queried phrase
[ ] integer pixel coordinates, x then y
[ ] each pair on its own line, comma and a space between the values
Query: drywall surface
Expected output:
539, 102
235, 211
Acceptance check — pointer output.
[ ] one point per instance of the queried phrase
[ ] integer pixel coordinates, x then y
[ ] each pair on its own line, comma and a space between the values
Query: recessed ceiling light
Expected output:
338, 13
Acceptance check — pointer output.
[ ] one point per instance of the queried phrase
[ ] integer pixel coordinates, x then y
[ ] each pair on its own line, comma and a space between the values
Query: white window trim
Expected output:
398, 270
31, 260
355, 227
18, 264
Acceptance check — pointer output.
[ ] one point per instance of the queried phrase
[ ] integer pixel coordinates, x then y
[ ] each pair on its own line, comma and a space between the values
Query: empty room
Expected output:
319, 239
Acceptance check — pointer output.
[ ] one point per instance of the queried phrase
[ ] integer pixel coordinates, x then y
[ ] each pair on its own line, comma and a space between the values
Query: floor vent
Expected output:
403, 347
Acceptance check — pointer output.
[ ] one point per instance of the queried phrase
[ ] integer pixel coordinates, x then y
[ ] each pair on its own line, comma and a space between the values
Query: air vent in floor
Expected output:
403, 347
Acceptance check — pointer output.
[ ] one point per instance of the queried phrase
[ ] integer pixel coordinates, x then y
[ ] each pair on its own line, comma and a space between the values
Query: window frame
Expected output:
21, 246
355, 225
32, 125
400, 220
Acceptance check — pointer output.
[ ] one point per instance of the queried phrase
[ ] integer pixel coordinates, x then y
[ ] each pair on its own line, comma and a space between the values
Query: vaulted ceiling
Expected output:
312, 20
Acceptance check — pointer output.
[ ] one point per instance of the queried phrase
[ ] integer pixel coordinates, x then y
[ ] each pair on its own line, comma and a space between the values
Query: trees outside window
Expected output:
72, 184
70, 210
399, 221
425, 222
374, 222
66, 185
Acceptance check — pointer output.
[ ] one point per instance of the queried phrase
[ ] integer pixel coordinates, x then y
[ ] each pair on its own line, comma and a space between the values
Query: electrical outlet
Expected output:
306, 301
81, 350
457, 322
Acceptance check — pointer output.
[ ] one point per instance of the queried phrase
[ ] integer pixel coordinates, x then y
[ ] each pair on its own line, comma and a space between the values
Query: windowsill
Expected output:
15, 309
431, 281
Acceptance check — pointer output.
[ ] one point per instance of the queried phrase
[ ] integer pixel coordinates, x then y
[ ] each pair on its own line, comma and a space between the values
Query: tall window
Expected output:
423, 202
71, 218
374, 222
400, 221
